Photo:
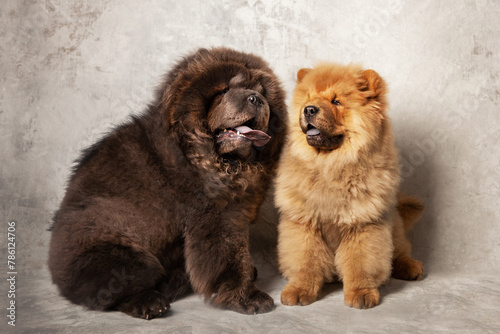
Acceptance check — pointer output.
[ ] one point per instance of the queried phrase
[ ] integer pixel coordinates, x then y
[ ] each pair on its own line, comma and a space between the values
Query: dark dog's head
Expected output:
228, 104
239, 117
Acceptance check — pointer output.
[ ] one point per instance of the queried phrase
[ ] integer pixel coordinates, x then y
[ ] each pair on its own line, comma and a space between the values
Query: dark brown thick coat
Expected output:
153, 211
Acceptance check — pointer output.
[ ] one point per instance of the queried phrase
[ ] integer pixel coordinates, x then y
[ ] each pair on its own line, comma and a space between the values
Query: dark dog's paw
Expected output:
148, 305
258, 302
253, 302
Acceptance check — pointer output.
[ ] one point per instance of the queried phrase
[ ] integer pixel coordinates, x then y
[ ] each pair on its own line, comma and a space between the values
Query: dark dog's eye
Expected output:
221, 92
336, 102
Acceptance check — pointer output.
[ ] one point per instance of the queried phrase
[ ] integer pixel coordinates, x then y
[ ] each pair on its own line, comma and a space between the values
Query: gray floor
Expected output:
71, 70
441, 303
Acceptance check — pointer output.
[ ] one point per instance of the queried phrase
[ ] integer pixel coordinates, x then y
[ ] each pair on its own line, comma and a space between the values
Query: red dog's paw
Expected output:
362, 298
292, 295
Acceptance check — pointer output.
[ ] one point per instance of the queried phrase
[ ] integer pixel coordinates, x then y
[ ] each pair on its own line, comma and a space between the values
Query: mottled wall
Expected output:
70, 70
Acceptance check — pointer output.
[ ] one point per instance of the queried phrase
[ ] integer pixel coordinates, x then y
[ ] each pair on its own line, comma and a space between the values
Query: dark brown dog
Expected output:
163, 204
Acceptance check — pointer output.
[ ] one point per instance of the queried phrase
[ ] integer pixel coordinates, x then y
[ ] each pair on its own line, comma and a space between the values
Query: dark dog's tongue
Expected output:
258, 138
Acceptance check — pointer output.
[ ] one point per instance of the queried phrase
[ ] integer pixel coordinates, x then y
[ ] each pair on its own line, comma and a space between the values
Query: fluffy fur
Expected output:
162, 205
337, 187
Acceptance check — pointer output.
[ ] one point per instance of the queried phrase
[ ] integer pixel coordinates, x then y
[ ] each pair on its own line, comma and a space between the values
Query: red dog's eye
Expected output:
336, 102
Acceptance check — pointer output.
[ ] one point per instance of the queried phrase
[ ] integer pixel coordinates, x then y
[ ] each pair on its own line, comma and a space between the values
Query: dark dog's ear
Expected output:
278, 118
302, 73
373, 85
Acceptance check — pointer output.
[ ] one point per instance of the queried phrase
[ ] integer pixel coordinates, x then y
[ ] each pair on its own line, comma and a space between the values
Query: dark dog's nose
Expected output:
255, 100
310, 111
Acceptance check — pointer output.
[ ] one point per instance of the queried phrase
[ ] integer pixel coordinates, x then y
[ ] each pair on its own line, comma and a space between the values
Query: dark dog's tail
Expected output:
410, 208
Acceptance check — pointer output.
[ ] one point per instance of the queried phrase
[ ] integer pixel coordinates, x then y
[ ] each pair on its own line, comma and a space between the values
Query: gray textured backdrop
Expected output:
70, 70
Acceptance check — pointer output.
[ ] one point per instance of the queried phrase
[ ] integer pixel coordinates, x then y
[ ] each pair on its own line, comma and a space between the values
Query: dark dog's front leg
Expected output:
220, 266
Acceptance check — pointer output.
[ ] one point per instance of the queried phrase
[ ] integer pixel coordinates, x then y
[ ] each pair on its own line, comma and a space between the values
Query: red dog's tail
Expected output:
410, 208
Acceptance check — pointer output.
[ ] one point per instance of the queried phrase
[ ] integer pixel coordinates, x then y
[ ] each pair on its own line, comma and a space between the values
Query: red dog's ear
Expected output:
373, 84
302, 73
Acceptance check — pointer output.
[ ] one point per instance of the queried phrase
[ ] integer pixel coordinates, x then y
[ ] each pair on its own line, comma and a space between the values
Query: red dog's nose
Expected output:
310, 111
